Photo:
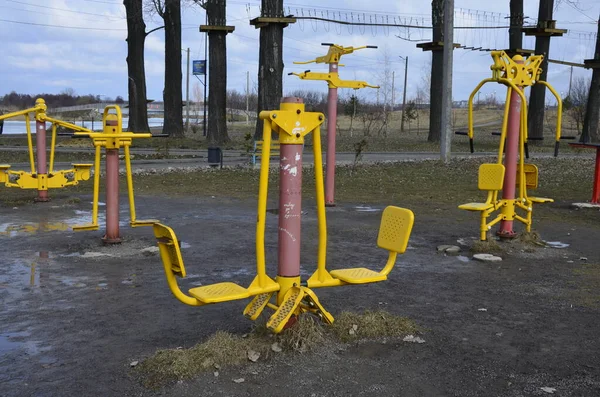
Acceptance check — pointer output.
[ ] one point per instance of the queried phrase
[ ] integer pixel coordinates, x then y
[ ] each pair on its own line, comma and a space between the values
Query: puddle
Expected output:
14, 230
11, 341
556, 244
366, 209
463, 258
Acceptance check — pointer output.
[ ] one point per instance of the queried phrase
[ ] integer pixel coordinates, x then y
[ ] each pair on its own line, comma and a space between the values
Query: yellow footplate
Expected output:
87, 226
314, 306
359, 275
290, 304
257, 305
220, 292
143, 222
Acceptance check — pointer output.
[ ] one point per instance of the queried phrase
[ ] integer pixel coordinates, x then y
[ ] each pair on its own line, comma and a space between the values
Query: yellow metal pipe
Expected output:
470, 122
390, 263
321, 217
52, 146
129, 183
559, 108
19, 113
263, 190
29, 142
74, 127
172, 281
504, 124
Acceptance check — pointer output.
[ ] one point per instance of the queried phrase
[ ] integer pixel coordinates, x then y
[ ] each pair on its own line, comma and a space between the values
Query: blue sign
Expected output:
199, 67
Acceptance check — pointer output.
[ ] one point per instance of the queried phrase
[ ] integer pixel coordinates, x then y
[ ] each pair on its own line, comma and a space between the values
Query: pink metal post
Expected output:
332, 99
112, 197
40, 148
510, 159
290, 210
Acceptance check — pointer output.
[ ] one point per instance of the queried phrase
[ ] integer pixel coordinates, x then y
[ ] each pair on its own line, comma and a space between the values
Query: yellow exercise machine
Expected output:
516, 74
293, 295
112, 139
43, 178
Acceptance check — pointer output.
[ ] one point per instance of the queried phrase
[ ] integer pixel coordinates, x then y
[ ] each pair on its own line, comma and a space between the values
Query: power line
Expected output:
579, 11
60, 26
63, 9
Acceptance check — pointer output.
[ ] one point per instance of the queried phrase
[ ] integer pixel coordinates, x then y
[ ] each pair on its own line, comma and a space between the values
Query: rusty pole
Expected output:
332, 99
42, 170
112, 197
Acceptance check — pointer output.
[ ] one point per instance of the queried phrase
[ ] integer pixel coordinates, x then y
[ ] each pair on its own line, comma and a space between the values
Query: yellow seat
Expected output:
219, 292
491, 179
476, 206
394, 233
170, 254
531, 182
359, 275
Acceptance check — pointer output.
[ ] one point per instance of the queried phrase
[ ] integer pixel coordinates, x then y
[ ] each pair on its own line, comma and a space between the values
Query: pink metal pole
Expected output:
510, 159
332, 100
112, 197
290, 210
40, 148
596, 191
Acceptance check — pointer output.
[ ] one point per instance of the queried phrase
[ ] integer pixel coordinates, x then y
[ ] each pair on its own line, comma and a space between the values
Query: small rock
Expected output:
454, 249
216, 374
569, 261
152, 249
487, 258
413, 339
499, 334
134, 363
239, 380
253, 355
482, 309
217, 366
443, 248
550, 390
276, 347
583, 258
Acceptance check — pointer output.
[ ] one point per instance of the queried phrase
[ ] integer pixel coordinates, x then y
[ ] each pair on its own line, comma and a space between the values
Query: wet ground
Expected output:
74, 314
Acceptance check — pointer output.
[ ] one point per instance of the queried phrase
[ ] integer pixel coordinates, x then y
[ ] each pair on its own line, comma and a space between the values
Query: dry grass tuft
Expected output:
531, 238
349, 326
225, 349
486, 247
303, 336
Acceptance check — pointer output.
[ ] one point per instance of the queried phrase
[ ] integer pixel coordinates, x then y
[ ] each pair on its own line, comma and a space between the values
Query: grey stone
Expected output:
487, 258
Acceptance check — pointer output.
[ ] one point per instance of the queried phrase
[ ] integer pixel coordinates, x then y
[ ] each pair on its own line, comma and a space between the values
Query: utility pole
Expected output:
591, 122
247, 97
515, 35
446, 115
570, 82
546, 28
404, 94
393, 89
187, 93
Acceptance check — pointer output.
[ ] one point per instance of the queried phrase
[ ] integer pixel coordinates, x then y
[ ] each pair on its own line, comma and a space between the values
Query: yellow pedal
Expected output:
143, 222
359, 275
220, 292
280, 318
257, 305
314, 306
540, 200
87, 226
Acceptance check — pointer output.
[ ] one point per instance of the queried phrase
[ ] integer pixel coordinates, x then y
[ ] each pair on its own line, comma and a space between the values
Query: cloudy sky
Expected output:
51, 45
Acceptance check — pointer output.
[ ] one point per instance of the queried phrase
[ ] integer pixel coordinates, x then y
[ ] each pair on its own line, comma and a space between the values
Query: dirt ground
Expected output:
74, 314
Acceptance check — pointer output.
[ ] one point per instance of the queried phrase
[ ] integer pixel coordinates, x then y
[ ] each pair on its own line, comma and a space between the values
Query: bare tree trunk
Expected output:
136, 37
437, 69
515, 36
591, 122
270, 62
217, 74
537, 101
172, 94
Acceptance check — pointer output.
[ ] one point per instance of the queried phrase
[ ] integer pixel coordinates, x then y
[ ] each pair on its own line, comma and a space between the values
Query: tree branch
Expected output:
154, 30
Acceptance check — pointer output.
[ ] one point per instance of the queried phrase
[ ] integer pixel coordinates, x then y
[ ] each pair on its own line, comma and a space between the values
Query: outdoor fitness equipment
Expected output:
516, 74
112, 139
294, 296
43, 178
332, 78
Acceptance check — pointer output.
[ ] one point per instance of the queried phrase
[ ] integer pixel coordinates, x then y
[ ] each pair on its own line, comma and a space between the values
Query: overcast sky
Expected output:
37, 58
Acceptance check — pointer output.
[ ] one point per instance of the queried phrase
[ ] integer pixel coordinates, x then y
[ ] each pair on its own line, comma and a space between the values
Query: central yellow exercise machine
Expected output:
293, 295
516, 73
